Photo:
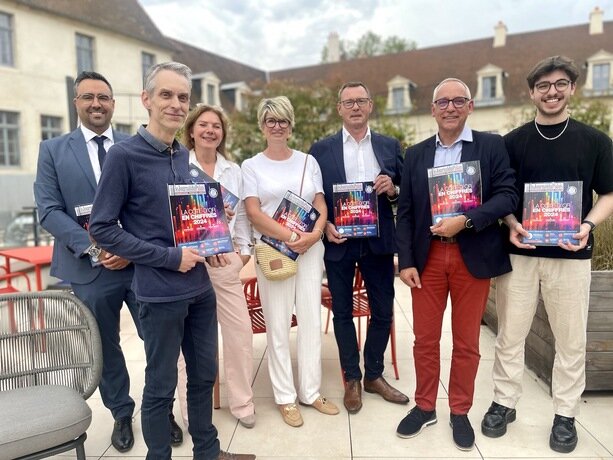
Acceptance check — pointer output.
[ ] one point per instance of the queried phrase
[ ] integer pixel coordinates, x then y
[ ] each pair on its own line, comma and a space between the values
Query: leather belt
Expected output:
445, 239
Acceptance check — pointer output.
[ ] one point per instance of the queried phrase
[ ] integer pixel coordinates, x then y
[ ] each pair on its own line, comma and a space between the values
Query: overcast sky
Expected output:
279, 34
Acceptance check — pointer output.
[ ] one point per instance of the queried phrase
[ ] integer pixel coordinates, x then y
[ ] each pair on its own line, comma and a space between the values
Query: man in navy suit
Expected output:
456, 256
356, 154
68, 171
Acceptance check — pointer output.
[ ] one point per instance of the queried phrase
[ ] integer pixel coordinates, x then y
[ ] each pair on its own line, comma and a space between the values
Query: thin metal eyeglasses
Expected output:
361, 102
458, 102
89, 97
272, 122
561, 85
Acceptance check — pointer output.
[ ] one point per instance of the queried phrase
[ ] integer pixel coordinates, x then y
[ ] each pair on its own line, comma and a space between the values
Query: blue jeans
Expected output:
378, 273
191, 325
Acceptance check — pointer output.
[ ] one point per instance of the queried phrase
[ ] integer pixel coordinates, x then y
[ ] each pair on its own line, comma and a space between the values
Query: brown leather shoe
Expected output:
228, 456
388, 392
353, 396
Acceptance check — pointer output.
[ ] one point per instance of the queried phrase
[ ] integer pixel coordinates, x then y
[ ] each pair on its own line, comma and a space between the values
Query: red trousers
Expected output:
446, 274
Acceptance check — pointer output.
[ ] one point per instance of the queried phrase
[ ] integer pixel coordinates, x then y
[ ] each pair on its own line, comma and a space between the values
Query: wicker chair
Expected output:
50, 363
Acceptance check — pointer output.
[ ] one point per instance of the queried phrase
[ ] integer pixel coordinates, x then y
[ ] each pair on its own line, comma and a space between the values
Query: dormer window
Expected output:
602, 77
236, 94
206, 88
399, 95
599, 81
489, 86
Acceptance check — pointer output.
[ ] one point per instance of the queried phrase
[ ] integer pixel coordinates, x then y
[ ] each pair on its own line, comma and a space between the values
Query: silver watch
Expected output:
94, 253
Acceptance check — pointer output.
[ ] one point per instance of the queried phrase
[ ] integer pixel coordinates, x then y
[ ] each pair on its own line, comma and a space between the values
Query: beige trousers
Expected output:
565, 287
237, 336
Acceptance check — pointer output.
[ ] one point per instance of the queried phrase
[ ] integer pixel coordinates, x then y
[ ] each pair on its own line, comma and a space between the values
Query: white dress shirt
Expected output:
92, 147
360, 162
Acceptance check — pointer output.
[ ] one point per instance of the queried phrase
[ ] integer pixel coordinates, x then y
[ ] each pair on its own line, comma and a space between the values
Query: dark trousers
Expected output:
105, 297
378, 273
190, 325
446, 274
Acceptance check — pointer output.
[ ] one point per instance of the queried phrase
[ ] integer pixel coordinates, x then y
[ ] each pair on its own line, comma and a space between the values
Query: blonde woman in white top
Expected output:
266, 178
205, 135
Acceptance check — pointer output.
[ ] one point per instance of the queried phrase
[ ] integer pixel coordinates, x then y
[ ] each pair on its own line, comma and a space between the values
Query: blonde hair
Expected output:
279, 107
188, 140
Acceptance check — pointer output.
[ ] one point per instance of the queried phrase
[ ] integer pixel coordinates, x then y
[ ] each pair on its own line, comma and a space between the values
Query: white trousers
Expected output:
302, 294
565, 287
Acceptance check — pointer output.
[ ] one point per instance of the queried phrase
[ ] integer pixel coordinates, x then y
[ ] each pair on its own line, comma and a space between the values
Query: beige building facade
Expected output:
44, 45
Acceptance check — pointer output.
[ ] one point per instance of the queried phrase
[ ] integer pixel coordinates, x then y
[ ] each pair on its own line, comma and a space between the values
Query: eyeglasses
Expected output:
89, 97
349, 103
458, 102
561, 85
272, 122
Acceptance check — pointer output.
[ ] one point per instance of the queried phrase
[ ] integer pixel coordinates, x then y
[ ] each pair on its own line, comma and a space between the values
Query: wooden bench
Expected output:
540, 342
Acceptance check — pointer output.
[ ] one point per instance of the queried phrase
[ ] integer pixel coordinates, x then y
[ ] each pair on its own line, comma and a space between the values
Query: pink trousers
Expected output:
236, 336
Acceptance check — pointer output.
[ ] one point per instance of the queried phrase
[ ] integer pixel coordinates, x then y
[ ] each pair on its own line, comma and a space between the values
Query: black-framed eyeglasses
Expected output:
361, 102
272, 122
89, 97
458, 102
561, 85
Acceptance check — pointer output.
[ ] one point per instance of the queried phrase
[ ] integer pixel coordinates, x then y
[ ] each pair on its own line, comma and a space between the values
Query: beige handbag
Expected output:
275, 265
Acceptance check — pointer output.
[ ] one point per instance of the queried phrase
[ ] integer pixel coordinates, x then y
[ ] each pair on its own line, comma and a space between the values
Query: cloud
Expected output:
278, 34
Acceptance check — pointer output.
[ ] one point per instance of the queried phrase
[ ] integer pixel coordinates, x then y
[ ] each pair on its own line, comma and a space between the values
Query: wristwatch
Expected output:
590, 223
94, 253
393, 198
469, 222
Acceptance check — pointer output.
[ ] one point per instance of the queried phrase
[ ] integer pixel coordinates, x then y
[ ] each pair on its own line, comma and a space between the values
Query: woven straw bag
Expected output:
275, 265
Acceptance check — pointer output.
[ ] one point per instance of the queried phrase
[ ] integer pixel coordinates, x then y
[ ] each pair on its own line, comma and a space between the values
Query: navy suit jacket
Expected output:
65, 179
329, 154
482, 247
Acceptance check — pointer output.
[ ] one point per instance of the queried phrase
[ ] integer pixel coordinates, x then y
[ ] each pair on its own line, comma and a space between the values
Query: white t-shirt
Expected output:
269, 180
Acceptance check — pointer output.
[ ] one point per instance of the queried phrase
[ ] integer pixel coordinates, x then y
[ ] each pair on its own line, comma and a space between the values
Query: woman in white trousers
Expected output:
266, 178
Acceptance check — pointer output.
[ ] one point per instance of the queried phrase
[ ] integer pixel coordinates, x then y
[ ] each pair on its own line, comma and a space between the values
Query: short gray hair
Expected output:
175, 67
447, 80
279, 107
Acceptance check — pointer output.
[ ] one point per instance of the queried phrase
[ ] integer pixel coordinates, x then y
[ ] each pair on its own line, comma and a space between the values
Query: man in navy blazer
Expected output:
68, 171
456, 256
356, 154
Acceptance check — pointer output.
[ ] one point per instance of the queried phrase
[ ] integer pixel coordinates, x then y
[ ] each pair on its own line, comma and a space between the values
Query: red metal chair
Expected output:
7, 288
258, 324
361, 309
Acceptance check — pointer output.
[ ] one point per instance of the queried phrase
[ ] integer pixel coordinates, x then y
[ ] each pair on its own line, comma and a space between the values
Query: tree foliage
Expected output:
371, 44
591, 112
315, 114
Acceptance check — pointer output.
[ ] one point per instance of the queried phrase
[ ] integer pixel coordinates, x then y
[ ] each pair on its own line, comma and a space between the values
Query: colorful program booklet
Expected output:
198, 175
294, 213
83, 212
199, 219
454, 189
552, 212
356, 213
